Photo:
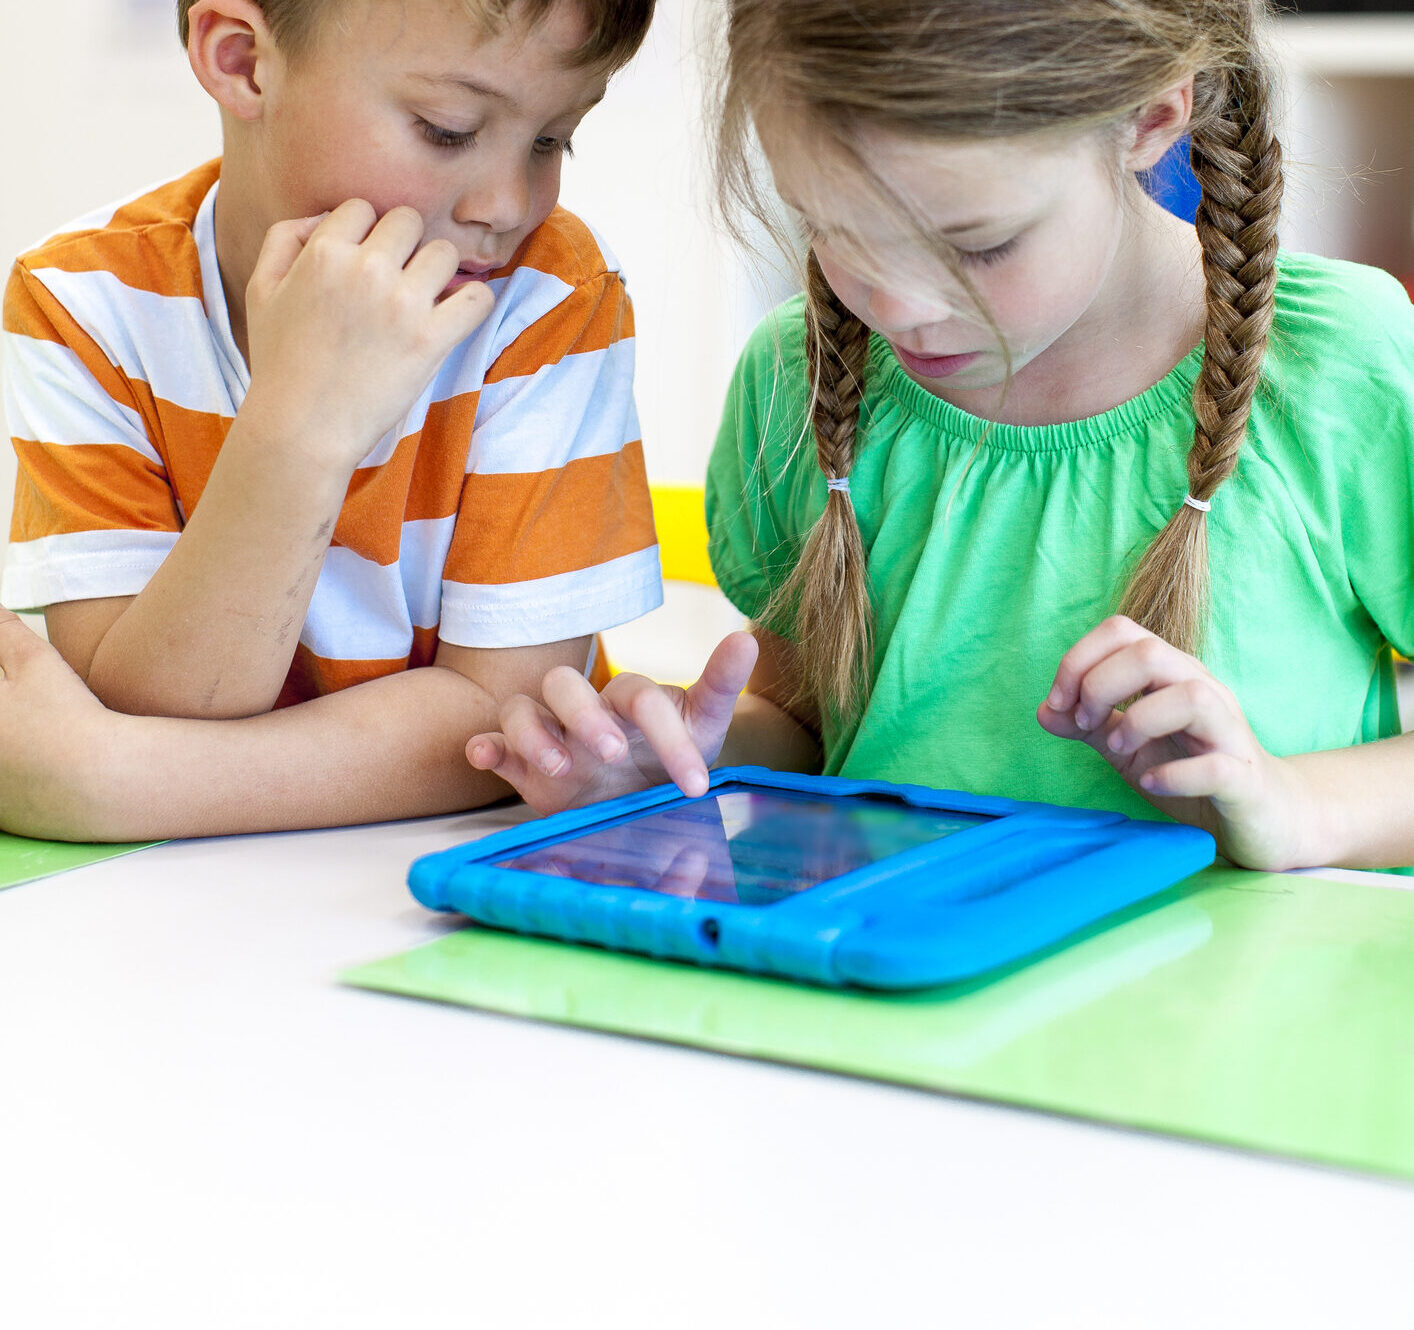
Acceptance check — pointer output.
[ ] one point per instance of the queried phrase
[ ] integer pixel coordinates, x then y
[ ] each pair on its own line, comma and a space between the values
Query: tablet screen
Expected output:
743, 844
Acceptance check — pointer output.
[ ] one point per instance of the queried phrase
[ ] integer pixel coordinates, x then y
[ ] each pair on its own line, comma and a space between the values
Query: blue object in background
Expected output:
1172, 183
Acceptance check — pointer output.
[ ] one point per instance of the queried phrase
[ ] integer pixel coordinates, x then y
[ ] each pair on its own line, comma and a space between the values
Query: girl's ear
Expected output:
1156, 126
231, 52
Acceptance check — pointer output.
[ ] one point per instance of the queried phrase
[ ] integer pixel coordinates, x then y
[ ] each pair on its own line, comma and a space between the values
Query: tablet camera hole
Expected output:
711, 932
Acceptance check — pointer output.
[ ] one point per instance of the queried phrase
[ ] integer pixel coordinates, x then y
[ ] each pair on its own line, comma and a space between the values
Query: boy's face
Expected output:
411, 103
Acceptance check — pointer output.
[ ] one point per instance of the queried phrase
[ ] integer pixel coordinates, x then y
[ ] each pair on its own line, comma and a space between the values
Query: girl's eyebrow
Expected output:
959, 229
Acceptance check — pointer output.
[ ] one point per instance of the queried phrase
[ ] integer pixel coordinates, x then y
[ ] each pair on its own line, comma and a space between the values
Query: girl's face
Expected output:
1036, 224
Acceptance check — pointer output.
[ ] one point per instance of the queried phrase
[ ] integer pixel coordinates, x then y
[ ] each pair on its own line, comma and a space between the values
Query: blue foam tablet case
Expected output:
814, 878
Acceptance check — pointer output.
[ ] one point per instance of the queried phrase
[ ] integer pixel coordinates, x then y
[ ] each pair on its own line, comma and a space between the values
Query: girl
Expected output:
1035, 398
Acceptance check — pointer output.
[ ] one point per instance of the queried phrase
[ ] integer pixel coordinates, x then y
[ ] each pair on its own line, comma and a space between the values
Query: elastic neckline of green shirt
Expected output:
1170, 395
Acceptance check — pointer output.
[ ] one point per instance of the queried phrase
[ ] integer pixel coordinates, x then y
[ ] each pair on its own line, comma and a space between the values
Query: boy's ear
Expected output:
1157, 125
231, 50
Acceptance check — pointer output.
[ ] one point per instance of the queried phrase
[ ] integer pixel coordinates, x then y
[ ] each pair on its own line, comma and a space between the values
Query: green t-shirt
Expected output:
992, 548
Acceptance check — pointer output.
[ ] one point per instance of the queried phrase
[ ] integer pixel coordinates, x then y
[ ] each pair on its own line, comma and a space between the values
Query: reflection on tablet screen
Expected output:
744, 845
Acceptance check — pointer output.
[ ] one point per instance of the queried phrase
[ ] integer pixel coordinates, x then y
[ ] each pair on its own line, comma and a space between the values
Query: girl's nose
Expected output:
892, 312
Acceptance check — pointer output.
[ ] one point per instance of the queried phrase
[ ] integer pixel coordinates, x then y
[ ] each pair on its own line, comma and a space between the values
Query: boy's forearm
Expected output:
214, 631
389, 748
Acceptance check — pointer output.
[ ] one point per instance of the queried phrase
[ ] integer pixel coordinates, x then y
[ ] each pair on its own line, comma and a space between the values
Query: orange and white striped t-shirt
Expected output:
509, 507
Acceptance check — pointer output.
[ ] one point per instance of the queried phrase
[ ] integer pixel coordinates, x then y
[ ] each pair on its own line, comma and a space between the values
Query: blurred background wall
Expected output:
96, 100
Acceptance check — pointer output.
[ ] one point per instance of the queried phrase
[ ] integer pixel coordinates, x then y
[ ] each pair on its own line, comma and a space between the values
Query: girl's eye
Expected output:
547, 146
988, 256
445, 138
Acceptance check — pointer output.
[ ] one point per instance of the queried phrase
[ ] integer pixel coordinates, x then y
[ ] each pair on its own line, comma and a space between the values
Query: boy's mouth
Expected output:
464, 274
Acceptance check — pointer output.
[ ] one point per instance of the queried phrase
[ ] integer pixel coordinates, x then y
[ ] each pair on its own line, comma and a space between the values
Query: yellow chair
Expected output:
682, 533
682, 548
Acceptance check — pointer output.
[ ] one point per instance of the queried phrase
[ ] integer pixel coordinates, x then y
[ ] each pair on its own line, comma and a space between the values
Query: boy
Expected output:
398, 380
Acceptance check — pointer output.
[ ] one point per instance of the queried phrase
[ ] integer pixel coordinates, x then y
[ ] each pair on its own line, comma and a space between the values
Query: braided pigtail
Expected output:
1237, 160
828, 592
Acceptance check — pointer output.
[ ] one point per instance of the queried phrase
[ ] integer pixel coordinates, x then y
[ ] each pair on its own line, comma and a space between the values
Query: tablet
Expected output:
814, 878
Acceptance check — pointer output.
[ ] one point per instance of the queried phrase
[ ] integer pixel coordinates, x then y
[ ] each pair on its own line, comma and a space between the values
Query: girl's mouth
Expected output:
935, 367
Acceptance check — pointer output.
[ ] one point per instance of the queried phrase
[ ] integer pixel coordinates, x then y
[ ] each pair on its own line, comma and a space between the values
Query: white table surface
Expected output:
200, 1128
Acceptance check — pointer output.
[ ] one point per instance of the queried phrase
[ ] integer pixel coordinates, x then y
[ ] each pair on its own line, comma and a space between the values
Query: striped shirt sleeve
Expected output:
91, 492
554, 536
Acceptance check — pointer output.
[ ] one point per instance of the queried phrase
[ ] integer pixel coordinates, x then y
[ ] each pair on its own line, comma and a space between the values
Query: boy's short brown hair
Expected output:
616, 27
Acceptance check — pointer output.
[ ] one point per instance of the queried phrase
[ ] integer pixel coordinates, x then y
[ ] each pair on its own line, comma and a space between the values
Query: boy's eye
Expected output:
445, 138
986, 256
547, 146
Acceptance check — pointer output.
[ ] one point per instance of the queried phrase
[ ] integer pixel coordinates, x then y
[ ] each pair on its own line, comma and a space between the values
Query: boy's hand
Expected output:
53, 740
1183, 744
572, 749
347, 327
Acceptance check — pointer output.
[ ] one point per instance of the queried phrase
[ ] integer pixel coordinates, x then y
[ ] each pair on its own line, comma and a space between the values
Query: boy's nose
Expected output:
499, 201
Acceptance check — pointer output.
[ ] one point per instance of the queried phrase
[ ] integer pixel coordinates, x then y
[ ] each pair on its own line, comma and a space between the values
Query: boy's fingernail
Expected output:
552, 762
1082, 719
1054, 699
608, 748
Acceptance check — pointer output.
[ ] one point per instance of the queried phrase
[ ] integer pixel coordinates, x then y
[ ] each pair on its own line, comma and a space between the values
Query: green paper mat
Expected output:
1274, 1013
23, 860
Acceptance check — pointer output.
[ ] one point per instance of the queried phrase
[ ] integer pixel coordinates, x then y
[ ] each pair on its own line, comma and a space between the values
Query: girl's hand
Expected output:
581, 746
1183, 743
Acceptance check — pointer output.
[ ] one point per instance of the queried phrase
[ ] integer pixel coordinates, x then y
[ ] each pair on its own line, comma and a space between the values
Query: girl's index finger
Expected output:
1103, 640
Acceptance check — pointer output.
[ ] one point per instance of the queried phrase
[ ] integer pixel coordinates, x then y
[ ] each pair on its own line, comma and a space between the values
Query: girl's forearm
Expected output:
764, 734
1362, 804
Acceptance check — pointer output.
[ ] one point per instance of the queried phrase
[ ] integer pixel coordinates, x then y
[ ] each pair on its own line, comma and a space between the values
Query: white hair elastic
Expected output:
1202, 505
840, 483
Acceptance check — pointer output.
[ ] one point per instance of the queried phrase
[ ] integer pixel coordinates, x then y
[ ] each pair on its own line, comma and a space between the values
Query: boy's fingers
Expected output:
583, 713
535, 735
282, 245
433, 266
488, 752
462, 312
397, 234
352, 221
657, 714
